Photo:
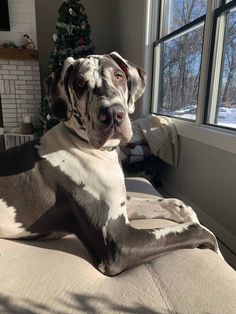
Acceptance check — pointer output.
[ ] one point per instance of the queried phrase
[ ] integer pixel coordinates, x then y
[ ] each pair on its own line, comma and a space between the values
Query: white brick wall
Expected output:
20, 91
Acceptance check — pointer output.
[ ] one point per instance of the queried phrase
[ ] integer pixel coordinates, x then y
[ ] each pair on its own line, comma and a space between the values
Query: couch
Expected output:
58, 276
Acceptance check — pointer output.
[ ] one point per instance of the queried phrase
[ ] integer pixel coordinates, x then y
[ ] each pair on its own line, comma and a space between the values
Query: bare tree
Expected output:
228, 85
181, 56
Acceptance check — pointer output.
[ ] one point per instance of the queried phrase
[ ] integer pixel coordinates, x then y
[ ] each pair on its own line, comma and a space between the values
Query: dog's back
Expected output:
23, 192
18, 159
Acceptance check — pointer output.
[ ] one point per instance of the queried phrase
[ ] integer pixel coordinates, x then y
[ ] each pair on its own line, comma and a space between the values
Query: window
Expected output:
185, 28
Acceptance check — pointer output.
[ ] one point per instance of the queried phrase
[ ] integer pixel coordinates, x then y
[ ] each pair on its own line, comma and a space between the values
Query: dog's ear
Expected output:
136, 79
58, 93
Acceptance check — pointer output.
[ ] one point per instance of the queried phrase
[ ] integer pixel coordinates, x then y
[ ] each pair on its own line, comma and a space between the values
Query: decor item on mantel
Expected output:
29, 44
9, 44
16, 130
27, 126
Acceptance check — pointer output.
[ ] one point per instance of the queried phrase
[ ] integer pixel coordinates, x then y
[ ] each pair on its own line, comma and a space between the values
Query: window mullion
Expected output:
152, 13
216, 69
161, 15
156, 77
204, 75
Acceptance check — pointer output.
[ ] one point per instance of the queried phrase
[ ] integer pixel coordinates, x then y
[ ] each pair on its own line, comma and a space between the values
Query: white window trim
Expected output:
220, 138
152, 8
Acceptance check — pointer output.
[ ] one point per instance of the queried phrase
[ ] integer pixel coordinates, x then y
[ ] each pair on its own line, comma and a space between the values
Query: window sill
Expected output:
210, 135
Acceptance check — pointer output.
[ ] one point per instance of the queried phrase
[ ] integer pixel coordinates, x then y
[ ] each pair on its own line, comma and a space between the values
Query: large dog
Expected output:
71, 181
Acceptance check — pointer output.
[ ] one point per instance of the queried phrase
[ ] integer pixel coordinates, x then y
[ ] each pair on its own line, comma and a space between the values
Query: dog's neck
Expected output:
60, 139
62, 136
80, 136
73, 128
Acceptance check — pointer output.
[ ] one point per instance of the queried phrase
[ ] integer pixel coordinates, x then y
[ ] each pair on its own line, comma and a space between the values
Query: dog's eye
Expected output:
119, 77
81, 84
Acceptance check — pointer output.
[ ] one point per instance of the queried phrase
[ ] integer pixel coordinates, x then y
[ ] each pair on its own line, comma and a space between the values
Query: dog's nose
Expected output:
113, 115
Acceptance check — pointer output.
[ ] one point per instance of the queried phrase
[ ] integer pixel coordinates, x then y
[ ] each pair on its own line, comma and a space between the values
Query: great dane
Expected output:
71, 180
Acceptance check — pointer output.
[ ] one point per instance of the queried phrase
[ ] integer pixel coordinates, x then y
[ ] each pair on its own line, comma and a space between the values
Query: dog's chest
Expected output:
99, 175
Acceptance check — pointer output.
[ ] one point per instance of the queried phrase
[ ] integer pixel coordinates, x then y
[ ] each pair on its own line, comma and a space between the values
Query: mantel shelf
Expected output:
18, 54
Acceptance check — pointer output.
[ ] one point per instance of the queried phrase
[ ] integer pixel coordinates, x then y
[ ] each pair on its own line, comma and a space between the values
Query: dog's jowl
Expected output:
71, 181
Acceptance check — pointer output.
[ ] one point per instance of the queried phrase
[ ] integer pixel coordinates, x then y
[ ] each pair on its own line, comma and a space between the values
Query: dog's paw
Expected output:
178, 211
217, 249
102, 268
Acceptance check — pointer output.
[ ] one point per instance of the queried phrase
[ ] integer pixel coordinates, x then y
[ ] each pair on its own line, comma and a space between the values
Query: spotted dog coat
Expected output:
71, 181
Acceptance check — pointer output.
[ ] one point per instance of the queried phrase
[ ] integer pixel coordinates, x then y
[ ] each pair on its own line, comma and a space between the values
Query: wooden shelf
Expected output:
18, 54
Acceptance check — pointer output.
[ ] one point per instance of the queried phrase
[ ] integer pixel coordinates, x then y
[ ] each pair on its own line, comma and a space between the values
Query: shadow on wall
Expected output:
78, 304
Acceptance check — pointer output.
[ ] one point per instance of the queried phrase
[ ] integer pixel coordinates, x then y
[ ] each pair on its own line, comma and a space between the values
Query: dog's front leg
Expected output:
158, 207
127, 247
117, 246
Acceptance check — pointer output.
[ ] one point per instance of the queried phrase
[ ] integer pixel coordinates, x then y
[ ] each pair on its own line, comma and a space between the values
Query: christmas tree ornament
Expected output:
82, 42
54, 36
68, 27
83, 25
72, 13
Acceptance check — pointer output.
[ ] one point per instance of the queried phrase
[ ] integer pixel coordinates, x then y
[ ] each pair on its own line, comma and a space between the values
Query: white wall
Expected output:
22, 21
129, 28
101, 19
206, 179
128, 18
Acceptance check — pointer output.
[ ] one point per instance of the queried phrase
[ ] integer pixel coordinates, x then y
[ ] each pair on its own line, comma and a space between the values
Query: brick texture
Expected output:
20, 91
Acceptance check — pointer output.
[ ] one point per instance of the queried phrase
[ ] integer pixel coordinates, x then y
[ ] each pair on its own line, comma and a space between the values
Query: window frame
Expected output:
217, 136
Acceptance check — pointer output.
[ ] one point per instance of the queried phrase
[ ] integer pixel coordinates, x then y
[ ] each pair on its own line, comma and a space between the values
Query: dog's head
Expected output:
94, 96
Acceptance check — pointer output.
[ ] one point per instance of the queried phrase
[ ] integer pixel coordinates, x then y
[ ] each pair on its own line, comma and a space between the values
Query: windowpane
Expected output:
177, 13
225, 108
180, 71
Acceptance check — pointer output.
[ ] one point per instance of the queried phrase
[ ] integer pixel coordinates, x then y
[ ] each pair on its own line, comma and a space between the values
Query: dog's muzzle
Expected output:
112, 116
114, 123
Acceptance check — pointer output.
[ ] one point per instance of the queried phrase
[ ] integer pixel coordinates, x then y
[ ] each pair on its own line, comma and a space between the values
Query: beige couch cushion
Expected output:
58, 276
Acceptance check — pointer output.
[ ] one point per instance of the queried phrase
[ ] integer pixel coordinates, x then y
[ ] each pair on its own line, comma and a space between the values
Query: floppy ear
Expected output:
136, 79
57, 91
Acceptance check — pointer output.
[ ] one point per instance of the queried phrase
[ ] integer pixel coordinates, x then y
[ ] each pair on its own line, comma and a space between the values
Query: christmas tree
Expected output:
72, 39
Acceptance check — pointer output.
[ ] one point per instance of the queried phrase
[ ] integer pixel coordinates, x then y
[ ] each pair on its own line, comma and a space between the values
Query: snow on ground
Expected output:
226, 116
